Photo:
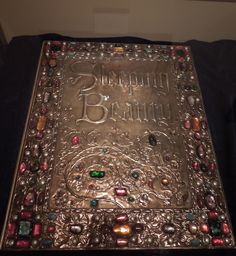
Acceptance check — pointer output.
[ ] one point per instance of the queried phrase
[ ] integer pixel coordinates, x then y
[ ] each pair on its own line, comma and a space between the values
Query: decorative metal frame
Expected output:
116, 153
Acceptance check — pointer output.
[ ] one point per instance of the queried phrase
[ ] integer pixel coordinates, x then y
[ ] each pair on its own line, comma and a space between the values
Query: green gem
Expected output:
135, 175
97, 174
94, 203
24, 228
215, 227
190, 216
148, 50
47, 243
52, 216
195, 242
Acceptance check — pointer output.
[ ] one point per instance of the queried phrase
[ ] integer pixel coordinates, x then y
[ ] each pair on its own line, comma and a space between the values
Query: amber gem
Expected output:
41, 123
122, 230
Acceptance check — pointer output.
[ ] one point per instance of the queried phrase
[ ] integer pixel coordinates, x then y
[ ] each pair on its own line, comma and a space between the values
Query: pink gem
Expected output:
121, 242
22, 243
75, 140
26, 214
39, 135
51, 229
37, 229
22, 167
212, 166
187, 124
225, 228
121, 218
29, 199
121, 191
11, 229
204, 228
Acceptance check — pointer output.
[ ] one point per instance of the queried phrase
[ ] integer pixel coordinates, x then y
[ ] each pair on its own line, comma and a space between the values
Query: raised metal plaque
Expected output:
116, 154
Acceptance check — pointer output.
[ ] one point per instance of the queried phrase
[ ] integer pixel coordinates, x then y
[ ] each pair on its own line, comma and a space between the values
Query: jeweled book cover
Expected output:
116, 153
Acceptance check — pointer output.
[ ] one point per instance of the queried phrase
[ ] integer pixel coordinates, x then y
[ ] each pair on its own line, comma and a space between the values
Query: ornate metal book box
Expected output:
116, 154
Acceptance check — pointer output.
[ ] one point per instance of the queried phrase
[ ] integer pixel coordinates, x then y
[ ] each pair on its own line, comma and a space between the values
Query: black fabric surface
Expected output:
216, 68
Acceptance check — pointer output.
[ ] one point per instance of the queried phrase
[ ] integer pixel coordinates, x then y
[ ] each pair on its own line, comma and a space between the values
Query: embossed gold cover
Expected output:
116, 154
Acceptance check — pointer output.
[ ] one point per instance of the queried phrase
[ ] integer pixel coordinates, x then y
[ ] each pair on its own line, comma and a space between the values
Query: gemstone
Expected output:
191, 100
168, 228
29, 199
51, 229
34, 166
76, 229
201, 151
138, 227
22, 243
190, 216
75, 140
164, 181
37, 229
56, 47
44, 165
215, 227
195, 242
11, 229
196, 124
187, 124
121, 218
52, 216
46, 97
203, 167
47, 243
210, 201
120, 191
213, 215
24, 228
97, 174
43, 109
203, 124
52, 63
121, 242
39, 135
118, 50
41, 123
135, 174
152, 140
50, 123
94, 203
197, 135
204, 228
193, 229
195, 166
26, 215
131, 199
225, 228
212, 166
217, 241
122, 230
22, 167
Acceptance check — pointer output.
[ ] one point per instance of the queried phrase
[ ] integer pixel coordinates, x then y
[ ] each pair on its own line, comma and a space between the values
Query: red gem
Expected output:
217, 241
75, 140
22, 167
212, 166
55, 42
51, 229
22, 243
39, 135
196, 166
121, 191
26, 215
213, 215
187, 124
44, 165
11, 229
197, 135
204, 228
225, 228
121, 218
37, 229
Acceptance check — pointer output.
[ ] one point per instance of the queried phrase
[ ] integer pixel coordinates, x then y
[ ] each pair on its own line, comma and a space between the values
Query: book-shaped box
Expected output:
116, 153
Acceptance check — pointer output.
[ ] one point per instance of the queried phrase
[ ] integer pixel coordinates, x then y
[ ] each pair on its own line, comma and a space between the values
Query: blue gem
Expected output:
52, 216
94, 203
190, 216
